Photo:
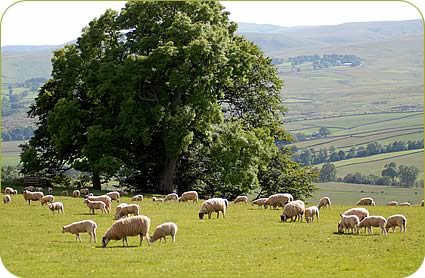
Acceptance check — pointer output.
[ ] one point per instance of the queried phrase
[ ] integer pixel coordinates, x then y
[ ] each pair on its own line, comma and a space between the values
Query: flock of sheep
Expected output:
125, 225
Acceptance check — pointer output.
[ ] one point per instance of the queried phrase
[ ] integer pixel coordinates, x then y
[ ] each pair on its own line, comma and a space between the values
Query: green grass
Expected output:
250, 242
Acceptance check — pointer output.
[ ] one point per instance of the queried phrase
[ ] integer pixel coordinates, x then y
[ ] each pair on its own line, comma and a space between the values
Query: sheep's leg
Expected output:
141, 239
165, 239
218, 213
209, 215
370, 230
78, 236
173, 238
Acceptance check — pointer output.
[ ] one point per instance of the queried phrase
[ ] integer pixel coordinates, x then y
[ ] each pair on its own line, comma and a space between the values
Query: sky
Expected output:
58, 22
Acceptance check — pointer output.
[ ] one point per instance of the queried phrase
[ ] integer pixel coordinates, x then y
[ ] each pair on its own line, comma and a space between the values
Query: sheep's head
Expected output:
63, 229
283, 217
104, 242
201, 215
340, 228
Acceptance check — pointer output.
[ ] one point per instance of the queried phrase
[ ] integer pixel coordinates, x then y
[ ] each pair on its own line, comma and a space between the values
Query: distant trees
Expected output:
328, 173
407, 175
390, 170
326, 61
17, 134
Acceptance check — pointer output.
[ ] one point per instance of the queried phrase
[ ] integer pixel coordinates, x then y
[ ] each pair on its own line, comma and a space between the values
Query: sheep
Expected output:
241, 199
373, 221
392, 203
29, 188
114, 195
10, 190
75, 193
360, 212
105, 199
130, 226
396, 220
213, 205
32, 196
7, 199
84, 191
56, 206
259, 202
189, 195
310, 212
92, 205
171, 197
137, 198
165, 229
155, 199
49, 190
405, 204
64, 193
88, 226
367, 201
349, 222
126, 210
422, 203
38, 189
324, 202
118, 208
293, 209
280, 199
47, 199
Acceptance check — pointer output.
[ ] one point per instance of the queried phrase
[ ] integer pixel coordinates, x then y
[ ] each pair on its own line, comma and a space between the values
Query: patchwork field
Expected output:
249, 242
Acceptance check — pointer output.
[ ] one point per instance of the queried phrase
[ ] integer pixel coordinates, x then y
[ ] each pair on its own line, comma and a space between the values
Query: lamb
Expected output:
367, 201
32, 196
374, 221
396, 220
126, 210
84, 226
47, 199
324, 202
10, 190
293, 209
130, 226
165, 229
56, 206
103, 198
392, 203
75, 193
49, 190
189, 195
259, 202
7, 199
349, 222
92, 205
171, 197
280, 199
84, 191
405, 204
213, 205
310, 212
137, 198
360, 212
155, 199
114, 195
241, 199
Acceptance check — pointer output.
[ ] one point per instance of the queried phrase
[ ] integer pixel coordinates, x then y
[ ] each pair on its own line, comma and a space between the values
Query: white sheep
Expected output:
156, 199
56, 206
241, 199
293, 209
103, 198
405, 204
84, 191
279, 199
114, 195
124, 211
171, 197
10, 190
92, 205
373, 221
213, 205
84, 226
396, 220
32, 196
349, 222
137, 198
163, 230
76, 193
47, 199
7, 199
324, 202
189, 195
310, 212
118, 208
367, 201
392, 203
30, 188
422, 203
259, 202
130, 226
360, 212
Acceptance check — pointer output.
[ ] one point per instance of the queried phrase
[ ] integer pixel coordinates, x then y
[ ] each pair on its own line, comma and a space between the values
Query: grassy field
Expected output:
249, 242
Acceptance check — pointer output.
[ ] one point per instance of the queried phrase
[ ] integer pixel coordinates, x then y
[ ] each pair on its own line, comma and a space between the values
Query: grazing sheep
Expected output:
349, 222
396, 220
405, 204
392, 203
92, 205
165, 229
171, 197
213, 205
367, 201
259, 202
310, 212
130, 226
137, 198
29, 188
49, 190
64, 193
56, 206
76, 194
324, 202
280, 199
189, 195
118, 208
241, 199
114, 195
105, 199
84, 226
126, 210
360, 212
84, 191
7, 199
32, 196
38, 189
47, 199
373, 221
293, 209
155, 199
10, 190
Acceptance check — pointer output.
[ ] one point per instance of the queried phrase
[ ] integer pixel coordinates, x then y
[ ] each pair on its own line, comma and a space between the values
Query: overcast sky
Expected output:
52, 23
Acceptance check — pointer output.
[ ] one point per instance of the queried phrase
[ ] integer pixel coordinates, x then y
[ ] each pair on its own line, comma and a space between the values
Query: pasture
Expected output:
249, 242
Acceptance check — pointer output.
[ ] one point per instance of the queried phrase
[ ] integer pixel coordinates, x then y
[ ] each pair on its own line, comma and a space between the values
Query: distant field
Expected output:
10, 152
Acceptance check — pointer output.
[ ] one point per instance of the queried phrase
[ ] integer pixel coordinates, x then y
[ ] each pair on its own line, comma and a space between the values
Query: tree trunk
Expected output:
167, 176
96, 182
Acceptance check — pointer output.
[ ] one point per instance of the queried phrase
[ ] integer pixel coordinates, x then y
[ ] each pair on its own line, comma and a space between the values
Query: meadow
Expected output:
249, 242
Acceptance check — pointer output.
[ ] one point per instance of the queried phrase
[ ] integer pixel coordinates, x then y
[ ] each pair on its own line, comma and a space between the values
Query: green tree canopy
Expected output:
328, 172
